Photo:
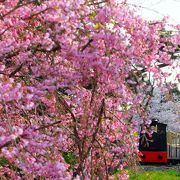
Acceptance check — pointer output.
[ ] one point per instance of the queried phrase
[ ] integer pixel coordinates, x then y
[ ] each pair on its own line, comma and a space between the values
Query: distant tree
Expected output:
165, 107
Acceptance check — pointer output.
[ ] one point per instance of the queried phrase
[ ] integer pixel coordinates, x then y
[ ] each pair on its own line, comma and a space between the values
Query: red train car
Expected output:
153, 144
157, 145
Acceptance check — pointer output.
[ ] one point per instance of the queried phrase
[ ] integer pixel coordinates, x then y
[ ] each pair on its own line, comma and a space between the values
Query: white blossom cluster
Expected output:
166, 109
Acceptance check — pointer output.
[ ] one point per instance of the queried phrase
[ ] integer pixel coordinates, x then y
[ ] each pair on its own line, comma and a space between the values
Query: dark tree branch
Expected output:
19, 67
86, 45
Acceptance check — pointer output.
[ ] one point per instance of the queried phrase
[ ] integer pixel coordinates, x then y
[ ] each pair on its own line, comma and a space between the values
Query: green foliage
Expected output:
178, 48
175, 91
3, 161
69, 158
38, 2
40, 28
165, 33
20, 2
93, 14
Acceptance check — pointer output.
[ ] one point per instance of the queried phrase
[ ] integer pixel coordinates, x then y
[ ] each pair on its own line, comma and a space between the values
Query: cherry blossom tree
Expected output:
70, 85
165, 108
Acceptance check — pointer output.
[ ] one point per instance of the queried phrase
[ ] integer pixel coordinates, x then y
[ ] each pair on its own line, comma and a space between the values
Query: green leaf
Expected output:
69, 158
38, 2
113, 22
98, 25
93, 14
3, 161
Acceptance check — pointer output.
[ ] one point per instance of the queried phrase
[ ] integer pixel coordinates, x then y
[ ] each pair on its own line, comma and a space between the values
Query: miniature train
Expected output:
157, 145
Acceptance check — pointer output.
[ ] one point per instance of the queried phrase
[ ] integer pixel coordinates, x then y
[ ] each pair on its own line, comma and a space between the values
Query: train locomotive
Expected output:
157, 145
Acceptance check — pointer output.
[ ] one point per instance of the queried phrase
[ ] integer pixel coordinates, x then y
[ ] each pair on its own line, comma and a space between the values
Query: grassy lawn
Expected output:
155, 175
140, 175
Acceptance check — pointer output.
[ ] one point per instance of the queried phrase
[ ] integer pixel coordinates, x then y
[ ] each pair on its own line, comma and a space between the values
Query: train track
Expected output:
160, 167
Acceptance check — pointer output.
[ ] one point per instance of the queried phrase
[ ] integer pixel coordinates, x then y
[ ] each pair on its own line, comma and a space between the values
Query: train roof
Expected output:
154, 123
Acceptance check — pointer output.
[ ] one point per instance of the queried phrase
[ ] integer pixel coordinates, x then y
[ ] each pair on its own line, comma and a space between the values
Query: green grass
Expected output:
155, 175
140, 175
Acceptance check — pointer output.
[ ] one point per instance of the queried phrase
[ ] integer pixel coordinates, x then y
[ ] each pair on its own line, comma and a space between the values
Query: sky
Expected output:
157, 9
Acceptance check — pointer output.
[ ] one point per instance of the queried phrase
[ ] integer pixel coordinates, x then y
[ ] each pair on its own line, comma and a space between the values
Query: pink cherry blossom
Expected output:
73, 88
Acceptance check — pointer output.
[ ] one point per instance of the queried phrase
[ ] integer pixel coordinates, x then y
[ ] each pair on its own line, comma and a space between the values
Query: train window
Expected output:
161, 130
155, 141
174, 141
178, 141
